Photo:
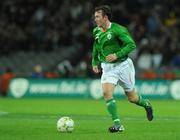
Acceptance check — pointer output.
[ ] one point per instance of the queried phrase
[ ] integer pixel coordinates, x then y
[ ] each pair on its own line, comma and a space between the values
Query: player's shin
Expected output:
112, 109
148, 107
142, 102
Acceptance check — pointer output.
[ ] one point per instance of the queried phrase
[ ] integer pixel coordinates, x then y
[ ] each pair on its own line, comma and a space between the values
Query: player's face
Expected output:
99, 18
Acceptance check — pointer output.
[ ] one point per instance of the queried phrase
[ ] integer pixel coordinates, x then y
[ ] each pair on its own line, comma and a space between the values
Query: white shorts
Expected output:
121, 73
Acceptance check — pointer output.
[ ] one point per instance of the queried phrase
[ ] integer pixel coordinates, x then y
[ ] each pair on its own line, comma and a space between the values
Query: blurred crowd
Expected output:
44, 25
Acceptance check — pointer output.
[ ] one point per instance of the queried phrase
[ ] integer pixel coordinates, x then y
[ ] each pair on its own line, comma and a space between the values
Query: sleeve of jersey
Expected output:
128, 43
95, 59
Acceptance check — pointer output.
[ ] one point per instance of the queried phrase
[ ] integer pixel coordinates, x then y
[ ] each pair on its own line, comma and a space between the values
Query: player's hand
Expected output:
96, 69
111, 57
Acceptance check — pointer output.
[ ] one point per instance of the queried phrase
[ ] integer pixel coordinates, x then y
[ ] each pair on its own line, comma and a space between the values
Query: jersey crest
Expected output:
109, 35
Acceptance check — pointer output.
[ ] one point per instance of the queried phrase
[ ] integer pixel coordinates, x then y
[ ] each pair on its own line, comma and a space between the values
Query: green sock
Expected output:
112, 109
142, 102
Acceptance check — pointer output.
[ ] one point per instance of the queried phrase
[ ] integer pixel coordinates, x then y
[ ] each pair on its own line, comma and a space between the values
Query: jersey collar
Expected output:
109, 25
107, 28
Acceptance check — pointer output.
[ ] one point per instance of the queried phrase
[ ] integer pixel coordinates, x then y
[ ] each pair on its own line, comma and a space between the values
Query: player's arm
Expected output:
128, 43
95, 59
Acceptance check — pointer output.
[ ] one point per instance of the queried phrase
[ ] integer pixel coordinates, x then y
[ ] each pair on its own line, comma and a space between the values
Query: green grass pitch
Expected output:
35, 119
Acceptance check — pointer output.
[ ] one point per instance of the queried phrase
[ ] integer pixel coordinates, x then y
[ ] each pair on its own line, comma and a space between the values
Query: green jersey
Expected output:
115, 40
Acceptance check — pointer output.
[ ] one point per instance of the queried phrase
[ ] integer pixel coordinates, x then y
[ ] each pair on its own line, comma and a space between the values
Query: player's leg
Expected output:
109, 80
127, 81
108, 90
135, 98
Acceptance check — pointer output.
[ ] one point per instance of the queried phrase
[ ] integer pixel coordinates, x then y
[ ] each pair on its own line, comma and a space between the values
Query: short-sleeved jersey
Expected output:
115, 39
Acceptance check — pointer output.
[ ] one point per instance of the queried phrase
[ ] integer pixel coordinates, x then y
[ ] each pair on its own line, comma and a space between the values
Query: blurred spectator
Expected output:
149, 75
169, 75
37, 72
81, 69
65, 69
144, 60
51, 75
153, 22
156, 58
4, 81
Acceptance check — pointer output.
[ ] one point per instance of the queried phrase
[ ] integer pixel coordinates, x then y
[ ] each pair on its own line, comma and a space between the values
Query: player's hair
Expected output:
106, 10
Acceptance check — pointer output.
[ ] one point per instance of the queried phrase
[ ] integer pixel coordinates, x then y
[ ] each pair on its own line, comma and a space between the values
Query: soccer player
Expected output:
112, 44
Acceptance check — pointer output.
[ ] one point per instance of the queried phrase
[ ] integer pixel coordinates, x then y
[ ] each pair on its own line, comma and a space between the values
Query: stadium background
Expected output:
53, 39
54, 33
50, 41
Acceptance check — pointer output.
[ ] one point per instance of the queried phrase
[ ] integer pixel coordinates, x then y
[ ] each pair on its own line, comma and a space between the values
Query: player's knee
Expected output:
132, 99
107, 95
132, 96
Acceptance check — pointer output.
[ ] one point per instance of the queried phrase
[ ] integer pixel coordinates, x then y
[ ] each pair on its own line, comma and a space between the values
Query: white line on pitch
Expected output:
2, 113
